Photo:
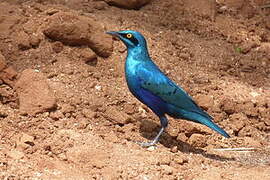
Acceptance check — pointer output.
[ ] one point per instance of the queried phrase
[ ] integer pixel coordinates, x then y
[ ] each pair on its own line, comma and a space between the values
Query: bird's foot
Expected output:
147, 144
152, 143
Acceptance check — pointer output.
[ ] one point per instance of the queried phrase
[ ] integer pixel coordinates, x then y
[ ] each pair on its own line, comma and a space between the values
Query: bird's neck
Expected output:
138, 54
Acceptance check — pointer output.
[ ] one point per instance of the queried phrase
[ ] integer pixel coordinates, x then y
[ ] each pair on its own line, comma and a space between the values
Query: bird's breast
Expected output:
131, 66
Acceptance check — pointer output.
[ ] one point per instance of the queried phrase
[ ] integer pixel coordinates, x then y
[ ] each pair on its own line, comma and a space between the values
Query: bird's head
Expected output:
130, 38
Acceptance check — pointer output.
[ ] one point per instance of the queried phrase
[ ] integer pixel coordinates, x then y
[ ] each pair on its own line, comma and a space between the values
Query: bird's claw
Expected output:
146, 144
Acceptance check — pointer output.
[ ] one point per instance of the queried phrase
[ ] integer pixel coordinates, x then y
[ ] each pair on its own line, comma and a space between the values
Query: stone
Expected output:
197, 140
251, 142
205, 8
35, 95
151, 148
265, 114
129, 109
15, 154
249, 109
128, 4
24, 141
88, 113
83, 123
10, 73
228, 106
267, 24
164, 160
51, 11
56, 115
184, 56
245, 8
189, 128
88, 55
249, 131
34, 40
248, 10
57, 47
205, 101
148, 126
167, 169
3, 113
75, 30
247, 46
8, 21
23, 41
3, 63
182, 137
7, 73
265, 48
174, 149
67, 108
25, 138
117, 117
180, 160
100, 5
234, 3
173, 131
238, 121
92, 156
8, 96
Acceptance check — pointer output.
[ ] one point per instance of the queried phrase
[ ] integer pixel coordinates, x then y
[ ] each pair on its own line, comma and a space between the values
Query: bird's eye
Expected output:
129, 35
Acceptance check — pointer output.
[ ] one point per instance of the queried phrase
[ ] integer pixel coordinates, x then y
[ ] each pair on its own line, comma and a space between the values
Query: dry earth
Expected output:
66, 112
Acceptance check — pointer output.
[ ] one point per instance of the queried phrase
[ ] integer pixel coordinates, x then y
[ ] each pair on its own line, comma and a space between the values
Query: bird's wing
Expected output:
153, 80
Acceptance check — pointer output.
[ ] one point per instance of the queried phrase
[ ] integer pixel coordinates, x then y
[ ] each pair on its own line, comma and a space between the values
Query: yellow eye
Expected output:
129, 35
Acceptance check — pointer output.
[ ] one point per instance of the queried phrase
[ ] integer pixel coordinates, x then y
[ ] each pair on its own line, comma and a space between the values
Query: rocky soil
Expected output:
66, 112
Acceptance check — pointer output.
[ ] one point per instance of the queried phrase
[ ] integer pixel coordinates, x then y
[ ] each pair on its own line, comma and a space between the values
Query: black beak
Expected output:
113, 33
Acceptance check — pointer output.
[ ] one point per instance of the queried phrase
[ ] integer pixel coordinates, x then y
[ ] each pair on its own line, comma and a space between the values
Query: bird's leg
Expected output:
164, 124
152, 143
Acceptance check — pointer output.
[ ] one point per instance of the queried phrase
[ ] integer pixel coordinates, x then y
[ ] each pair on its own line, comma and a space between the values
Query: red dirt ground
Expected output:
220, 56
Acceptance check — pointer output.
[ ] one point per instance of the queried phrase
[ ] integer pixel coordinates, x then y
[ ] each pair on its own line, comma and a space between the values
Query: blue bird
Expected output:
153, 88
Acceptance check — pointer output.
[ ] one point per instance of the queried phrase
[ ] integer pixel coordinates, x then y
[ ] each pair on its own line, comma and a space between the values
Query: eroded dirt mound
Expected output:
35, 95
66, 112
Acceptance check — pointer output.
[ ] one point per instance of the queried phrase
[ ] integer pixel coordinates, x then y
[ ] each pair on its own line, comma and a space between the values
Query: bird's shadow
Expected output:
169, 141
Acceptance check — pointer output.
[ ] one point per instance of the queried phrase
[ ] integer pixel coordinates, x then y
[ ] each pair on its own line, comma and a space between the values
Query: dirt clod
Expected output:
15, 154
228, 106
129, 4
197, 140
174, 149
23, 41
56, 115
180, 160
35, 95
57, 46
205, 101
77, 30
7, 73
117, 117
24, 141
88, 56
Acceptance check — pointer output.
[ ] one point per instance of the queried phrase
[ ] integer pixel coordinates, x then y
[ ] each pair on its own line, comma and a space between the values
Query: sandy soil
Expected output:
87, 127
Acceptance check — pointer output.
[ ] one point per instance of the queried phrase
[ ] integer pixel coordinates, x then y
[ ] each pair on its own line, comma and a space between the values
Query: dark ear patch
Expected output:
132, 38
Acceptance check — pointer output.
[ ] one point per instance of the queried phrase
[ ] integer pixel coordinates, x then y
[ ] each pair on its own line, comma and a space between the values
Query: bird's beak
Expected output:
113, 33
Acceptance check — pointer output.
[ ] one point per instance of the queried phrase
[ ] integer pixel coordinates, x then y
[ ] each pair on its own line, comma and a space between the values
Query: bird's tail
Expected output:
198, 118
209, 123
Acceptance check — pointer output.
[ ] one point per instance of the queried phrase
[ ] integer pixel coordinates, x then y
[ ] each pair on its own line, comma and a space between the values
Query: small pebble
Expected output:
97, 87
151, 148
174, 149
